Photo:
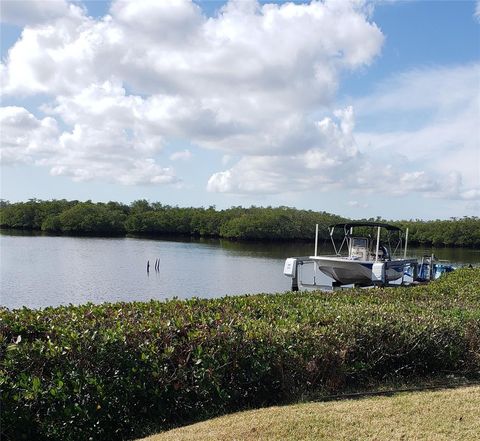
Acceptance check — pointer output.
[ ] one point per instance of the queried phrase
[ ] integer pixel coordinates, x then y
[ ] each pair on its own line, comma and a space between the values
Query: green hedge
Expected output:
119, 371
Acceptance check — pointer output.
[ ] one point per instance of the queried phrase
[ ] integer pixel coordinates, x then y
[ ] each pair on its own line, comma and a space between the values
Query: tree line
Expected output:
142, 217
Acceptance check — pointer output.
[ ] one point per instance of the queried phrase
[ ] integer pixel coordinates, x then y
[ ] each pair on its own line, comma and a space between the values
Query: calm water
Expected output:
39, 271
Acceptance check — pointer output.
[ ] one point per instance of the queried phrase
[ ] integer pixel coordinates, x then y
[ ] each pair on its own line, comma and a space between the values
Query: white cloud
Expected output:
441, 136
90, 151
60, 57
173, 21
476, 14
23, 136
357, 204
249, 82
244, 82
33, 12
439, 157
290, 52
333, 158
226, 159
430, 89
183, 155
333, 162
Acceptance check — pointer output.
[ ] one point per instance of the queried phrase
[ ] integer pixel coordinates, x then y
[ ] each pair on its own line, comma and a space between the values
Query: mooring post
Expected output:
148, 266
295, 283
295, 277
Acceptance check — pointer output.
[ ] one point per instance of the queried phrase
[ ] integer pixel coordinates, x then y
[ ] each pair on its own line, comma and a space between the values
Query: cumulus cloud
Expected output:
289, 51
24, 137
333, 157
439, 157
429, 119
31, 12
244, 81
256, 81
88, 152
183, 155
335, 162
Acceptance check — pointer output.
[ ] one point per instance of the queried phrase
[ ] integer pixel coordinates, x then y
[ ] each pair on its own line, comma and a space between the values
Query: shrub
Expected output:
117, 371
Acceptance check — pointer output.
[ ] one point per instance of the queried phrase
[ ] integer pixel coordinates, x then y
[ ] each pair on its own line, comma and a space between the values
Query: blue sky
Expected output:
358, 108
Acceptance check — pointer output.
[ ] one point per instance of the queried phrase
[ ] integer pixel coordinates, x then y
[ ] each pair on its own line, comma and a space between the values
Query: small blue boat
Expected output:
430, 269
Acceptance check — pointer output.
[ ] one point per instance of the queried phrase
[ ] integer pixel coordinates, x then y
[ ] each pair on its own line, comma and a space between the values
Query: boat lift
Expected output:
371, 270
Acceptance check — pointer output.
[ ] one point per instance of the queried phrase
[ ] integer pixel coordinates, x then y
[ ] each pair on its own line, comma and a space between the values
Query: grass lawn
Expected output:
452, 414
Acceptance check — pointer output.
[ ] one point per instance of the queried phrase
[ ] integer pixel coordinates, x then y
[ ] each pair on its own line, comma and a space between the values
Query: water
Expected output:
39, 271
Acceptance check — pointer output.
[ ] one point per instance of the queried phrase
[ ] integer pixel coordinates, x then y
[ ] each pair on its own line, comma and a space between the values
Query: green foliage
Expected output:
31, 215
282, 223
237, 223
463, 232
89, 218
70, 217
144, 218
117, 371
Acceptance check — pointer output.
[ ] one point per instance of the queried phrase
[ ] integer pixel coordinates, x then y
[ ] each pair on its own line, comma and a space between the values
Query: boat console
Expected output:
363, 248
358, 248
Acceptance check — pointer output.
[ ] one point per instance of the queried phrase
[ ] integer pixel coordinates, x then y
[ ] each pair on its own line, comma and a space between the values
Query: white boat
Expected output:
365, 257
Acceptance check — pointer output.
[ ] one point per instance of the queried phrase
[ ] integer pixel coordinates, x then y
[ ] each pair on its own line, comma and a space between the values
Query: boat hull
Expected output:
347, 271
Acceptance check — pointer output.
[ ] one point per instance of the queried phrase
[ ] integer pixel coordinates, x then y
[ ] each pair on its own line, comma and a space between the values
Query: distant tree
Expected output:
253, 223
92, 219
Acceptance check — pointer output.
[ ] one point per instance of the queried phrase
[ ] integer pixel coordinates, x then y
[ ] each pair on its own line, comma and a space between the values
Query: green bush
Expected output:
92, 219
118, 371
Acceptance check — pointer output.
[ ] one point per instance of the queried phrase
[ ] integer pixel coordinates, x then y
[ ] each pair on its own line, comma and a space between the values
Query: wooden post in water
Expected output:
148, 266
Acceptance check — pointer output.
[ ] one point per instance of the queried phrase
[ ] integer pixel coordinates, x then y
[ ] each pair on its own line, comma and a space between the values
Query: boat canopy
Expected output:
348, 225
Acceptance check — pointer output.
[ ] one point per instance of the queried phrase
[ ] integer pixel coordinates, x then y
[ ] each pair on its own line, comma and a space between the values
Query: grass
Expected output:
432, 415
